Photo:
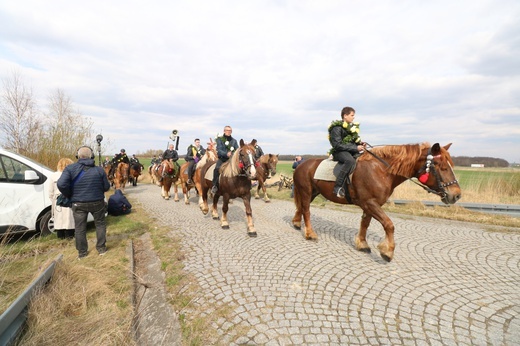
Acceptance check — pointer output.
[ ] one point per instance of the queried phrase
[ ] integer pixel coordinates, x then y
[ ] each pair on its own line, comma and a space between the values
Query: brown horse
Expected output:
235, 181
121, 176
135, 172
209, 156
376, 176
267, 168
170, 178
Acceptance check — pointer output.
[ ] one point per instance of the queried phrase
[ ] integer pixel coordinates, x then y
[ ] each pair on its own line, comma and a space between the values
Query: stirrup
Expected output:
339, 192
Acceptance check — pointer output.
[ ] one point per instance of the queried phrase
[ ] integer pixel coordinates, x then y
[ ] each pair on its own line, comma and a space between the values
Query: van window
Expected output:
12, 171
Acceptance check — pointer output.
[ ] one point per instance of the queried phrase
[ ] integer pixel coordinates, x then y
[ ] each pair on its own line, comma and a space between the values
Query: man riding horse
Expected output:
121, 157
171, 155
194, 154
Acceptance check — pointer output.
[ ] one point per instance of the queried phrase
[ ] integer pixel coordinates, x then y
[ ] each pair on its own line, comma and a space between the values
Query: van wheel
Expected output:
46, 224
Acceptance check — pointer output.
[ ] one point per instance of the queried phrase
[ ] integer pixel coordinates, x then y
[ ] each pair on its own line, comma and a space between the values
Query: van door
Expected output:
22, 195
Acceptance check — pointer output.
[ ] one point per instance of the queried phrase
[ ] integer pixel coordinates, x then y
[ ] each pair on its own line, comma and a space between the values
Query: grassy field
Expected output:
89, 302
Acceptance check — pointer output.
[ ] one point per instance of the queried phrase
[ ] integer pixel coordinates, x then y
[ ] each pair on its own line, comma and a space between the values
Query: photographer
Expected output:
297, 160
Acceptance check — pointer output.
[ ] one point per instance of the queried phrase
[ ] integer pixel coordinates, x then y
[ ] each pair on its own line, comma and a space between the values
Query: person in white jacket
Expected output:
63, 219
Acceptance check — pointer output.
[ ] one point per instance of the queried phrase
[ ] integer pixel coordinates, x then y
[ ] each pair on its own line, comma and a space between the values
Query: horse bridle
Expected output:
243, 166
423, 175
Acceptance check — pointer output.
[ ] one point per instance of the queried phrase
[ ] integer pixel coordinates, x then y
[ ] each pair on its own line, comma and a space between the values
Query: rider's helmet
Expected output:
123, 150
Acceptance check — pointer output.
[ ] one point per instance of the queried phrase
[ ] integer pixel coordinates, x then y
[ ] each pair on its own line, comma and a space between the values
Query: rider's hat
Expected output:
123, 150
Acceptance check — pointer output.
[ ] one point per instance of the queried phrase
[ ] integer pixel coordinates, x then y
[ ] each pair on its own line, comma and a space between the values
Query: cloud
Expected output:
278, 71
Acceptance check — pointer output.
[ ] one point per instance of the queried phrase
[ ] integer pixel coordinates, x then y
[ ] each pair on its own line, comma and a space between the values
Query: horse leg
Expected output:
225, 207
175, 192
214, 210
257, 190
204, 205
249, 216
185, 192
387, 246
266, 198
361, 237
302, 199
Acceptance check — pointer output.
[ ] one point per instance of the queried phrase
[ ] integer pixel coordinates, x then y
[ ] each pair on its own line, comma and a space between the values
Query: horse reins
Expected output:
429, 165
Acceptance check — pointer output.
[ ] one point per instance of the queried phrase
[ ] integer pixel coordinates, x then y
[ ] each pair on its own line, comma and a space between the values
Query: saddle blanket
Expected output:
209, 172
328, 170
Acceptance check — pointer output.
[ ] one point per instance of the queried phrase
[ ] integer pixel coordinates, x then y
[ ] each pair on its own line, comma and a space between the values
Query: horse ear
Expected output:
447, 146
436, 149
241, 142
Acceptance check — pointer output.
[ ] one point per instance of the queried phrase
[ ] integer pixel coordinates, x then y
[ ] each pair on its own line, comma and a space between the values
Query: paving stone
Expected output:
450, 283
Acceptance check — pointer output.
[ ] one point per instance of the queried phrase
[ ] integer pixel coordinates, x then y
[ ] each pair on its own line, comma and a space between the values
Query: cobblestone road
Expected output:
450, 283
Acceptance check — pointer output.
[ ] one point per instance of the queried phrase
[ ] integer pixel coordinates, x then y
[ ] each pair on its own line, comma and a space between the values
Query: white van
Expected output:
24, 195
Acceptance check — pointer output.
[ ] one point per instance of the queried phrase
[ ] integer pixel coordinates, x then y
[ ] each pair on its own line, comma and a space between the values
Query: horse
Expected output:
209, 156
235, 181
121, 176
267, 167
378, 172
135, 172
107, 167
170, 178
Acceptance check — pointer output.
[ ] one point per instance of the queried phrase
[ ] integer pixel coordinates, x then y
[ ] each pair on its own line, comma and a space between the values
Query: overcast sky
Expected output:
277, 71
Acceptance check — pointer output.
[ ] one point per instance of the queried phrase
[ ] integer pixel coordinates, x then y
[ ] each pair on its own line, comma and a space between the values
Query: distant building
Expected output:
477, 165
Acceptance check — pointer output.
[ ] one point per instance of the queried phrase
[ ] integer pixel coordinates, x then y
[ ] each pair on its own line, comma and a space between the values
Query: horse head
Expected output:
211, 150
245, 159
437, 173
271, 164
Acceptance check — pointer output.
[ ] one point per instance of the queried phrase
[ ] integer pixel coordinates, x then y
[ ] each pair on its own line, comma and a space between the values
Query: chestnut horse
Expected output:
266, 168
121, 176
377, 174
209, 156
170, 178
235, 181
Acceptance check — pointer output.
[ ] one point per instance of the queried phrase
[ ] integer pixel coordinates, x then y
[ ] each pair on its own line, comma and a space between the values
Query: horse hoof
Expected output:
268, 201
386, 258
225, 226
251, 234
366, 250
214, 217
257, 197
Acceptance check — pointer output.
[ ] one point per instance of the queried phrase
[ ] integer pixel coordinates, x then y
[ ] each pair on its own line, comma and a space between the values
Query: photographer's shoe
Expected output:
339, 191
189, 182
214, 189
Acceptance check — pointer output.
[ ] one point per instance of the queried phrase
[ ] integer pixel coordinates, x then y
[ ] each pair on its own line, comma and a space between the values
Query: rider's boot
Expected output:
339, 188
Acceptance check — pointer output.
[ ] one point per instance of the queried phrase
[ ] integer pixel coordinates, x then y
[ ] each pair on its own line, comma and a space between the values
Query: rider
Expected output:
346, 147
171, 155
193, 155
121, 157
226, 145
258, 151
135, 161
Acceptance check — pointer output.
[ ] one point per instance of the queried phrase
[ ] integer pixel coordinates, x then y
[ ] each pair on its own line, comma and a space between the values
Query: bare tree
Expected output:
19, 122
65, 128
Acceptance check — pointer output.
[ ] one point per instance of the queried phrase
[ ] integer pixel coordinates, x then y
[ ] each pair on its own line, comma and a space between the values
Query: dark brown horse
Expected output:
267, 168
169, 178
209, 156
374, 179
235, 181
135, 172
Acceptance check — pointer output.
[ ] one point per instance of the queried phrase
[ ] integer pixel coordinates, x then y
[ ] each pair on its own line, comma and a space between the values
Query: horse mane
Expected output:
401, 158
230, 167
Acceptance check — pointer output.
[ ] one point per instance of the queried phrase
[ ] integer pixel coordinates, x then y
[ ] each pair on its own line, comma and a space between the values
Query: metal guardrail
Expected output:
13, 319
506, 209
